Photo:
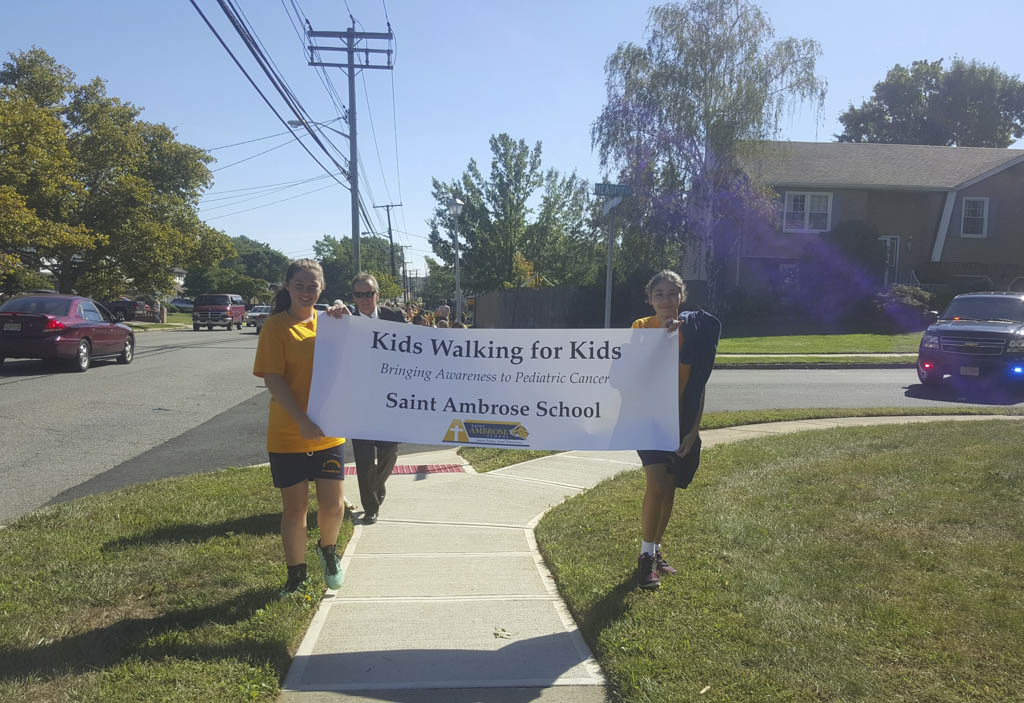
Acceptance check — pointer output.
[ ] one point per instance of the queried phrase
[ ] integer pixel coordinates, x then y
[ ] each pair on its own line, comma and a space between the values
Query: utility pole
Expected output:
350, 37
405, 272
388, 208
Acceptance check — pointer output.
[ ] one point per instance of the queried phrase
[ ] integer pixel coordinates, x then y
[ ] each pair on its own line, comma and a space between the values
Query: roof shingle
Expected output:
899, 166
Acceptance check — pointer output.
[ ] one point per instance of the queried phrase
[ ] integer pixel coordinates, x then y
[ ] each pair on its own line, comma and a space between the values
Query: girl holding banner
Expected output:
665, 471
299, 451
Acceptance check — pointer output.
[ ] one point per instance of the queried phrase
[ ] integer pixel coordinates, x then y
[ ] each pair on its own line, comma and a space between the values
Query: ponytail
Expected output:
282, 301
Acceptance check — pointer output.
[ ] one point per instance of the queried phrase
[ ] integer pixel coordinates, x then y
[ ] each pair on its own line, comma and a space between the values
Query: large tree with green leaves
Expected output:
970, 104
88, 191
335, 256
711, 79
501, 218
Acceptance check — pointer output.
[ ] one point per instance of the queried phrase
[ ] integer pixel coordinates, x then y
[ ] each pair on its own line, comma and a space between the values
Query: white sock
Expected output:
657, 548
647, 548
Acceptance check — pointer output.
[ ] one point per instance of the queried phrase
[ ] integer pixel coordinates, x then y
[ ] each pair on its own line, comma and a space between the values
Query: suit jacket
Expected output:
701, 331
385, 313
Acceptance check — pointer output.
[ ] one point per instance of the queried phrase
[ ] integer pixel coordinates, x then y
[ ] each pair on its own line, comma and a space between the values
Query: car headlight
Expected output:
1016, 344
930, 341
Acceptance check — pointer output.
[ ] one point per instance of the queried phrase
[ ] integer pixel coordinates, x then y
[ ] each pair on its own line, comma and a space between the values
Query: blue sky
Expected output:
464, 70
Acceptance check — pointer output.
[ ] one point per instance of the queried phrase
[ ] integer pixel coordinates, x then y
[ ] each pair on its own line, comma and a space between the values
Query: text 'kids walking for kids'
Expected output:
299, 451
664, 471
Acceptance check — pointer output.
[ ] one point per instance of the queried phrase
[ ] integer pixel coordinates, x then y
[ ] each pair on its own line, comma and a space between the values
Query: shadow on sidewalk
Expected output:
521, 669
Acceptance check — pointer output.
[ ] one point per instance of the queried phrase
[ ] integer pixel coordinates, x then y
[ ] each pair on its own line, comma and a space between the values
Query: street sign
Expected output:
613, 190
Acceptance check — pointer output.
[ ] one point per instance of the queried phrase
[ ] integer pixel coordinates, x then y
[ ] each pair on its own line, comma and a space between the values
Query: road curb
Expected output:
804, 365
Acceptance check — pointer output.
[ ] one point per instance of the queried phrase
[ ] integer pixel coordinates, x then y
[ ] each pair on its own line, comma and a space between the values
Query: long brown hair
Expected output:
283, 299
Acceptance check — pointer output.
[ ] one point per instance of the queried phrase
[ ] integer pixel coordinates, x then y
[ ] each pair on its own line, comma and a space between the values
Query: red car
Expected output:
65, 327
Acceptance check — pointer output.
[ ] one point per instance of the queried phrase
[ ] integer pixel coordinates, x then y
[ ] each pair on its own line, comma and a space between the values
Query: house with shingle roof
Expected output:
945, 214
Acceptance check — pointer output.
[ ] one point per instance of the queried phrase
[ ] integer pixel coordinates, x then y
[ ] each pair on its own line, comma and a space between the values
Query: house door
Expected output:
892, 259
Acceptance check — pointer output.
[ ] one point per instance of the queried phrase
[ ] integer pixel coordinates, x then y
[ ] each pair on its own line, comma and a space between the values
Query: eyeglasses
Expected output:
364, 294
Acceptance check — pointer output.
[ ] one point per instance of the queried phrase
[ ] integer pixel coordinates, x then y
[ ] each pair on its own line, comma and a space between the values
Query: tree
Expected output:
971, 104
102, 200
257, 260
335, 256
495, 221
710, 80
440, 284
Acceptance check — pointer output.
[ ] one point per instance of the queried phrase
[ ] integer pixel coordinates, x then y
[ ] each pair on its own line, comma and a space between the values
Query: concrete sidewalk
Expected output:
446, 598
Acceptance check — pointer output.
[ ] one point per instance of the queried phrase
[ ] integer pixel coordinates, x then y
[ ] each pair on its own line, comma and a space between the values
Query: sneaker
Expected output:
647, 573
333, 574
663, 566
293, 585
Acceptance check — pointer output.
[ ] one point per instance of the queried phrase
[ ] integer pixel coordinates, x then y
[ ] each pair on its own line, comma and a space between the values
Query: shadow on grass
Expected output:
606, 611
979, 393
255, 525
106, 646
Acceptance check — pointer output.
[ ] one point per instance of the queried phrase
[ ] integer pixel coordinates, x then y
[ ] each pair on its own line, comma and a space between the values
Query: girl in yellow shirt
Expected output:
299, 451
663, 470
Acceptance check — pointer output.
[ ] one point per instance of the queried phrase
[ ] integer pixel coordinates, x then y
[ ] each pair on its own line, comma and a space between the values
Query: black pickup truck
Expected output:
126, 309
979, 336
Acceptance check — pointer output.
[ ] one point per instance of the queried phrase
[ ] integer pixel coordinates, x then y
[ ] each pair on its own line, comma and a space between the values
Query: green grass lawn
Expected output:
163, 592
822, 344
869, 564
487, 459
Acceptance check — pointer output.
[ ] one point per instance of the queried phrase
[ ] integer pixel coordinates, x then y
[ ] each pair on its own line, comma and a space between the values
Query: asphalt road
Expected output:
189, 403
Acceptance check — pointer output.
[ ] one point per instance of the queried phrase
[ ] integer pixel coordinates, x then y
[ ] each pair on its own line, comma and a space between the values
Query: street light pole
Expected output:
455, 209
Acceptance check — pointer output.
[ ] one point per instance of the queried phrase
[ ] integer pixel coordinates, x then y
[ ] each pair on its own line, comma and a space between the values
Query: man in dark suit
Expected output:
374, 459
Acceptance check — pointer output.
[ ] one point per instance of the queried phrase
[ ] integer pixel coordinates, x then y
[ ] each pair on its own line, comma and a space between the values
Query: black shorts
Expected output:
681, 469
291, 468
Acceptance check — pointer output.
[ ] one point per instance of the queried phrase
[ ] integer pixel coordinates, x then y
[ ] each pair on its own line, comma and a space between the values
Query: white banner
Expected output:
538, 389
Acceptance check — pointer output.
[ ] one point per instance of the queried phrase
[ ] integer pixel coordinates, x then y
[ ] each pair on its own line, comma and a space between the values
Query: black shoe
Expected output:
663, 566
296, 580
370, 519
647, 573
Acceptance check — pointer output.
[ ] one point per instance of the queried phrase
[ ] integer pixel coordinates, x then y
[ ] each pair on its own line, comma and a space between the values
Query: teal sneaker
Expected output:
329, 559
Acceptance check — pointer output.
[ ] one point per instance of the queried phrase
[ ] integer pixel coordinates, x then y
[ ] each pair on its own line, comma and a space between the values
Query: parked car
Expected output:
183, 304
62, 327
218, 309
125, 308
978, 336
256, 316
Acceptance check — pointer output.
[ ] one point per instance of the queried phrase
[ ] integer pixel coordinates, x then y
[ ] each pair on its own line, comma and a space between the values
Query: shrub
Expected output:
894, 309
171, 308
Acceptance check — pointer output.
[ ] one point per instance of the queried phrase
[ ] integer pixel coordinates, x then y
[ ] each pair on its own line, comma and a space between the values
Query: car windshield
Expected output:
213, 300
985, 308
45, 306
261, 308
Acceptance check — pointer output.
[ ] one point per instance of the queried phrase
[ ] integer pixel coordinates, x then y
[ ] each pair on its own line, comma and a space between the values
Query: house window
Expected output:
807, 212
975, 218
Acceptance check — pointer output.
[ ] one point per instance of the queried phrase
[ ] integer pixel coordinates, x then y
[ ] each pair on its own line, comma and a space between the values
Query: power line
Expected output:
248, 141
247, 158
236, 201
258, 207
268, 185
269, 69
253, 83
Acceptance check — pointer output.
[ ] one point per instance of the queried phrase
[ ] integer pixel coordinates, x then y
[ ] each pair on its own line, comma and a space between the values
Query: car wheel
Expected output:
209, 328
195, 328
928, 379
129, 351
238, 325
83, 357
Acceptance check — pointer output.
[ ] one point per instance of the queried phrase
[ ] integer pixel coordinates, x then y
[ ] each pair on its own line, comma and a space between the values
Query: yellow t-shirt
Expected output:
286, 348
652, 323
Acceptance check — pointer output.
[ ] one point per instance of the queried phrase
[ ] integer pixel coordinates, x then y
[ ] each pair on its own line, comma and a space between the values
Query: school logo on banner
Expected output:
486, 432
